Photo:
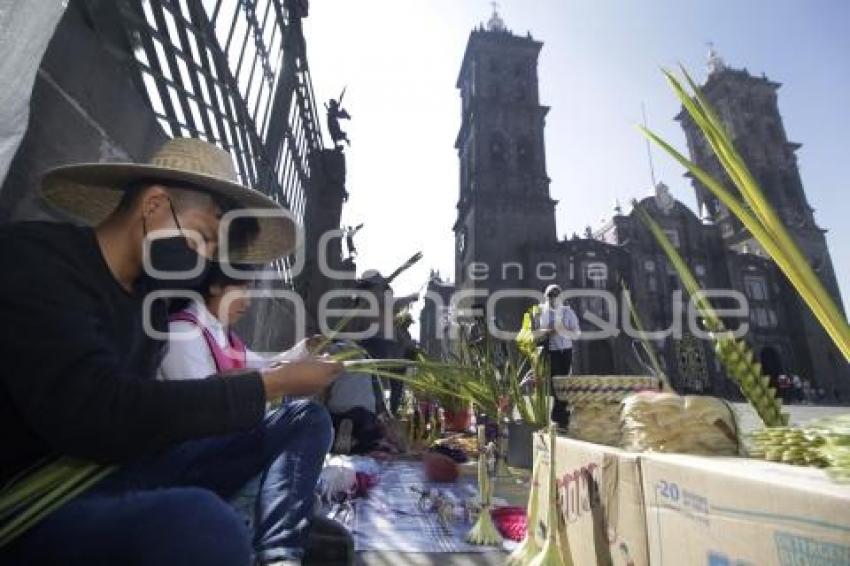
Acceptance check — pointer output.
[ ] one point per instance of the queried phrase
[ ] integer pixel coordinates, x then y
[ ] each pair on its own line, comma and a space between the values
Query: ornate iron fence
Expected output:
235, 73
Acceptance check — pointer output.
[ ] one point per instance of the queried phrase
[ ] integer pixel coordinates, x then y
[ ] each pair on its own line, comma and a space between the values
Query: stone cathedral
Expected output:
505, 233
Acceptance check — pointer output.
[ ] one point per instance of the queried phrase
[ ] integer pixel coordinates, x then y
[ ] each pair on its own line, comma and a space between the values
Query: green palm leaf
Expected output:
755, 212
26, 502
648, 348
734, 354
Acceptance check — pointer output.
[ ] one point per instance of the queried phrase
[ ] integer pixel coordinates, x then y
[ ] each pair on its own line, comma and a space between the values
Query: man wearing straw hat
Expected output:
78, 373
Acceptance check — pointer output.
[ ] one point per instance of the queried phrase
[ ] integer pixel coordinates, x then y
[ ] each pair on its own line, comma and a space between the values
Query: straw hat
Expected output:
92, 191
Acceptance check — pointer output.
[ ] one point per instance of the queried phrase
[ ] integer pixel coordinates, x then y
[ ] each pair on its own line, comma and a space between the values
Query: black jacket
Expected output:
77, 369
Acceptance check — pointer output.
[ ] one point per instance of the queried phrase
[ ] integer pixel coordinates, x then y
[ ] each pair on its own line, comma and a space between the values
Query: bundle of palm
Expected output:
533, 408
821, 443
25, 501
484, 531
790, 445
835, 450
556, 548
666, 422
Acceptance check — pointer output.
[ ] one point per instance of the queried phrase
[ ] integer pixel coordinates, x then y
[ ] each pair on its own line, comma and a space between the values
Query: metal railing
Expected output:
234, 73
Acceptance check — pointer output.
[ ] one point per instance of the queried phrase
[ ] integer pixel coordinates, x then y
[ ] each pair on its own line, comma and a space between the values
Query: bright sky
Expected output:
600, 60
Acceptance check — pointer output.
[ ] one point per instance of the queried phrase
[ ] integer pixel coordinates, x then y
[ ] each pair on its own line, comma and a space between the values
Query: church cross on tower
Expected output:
496, 22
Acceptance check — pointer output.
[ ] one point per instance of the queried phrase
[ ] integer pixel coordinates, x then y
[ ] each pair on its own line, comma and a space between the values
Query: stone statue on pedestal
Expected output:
336, 113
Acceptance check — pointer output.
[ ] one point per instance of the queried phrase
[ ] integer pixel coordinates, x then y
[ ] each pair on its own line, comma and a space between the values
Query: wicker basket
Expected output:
594, 401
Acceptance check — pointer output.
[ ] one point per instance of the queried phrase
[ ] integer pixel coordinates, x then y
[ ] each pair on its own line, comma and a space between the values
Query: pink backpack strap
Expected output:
226, 359
237, 350
184, 316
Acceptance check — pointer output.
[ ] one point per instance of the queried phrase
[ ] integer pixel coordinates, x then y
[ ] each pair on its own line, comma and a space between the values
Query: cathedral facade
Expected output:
505, 232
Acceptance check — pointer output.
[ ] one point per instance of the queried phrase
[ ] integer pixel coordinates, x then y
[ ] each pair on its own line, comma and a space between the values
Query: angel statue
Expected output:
350, 232
336, 113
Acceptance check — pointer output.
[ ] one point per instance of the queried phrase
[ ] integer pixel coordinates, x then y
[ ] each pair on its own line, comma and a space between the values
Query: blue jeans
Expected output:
171, 509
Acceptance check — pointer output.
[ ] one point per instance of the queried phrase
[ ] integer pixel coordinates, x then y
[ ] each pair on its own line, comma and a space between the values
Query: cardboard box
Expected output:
741, 512
601, 500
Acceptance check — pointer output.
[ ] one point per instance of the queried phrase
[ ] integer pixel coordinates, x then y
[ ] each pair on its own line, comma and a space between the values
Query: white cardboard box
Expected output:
600, 498
740, 512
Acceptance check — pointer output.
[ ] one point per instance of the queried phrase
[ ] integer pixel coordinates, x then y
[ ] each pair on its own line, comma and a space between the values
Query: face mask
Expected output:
173, 255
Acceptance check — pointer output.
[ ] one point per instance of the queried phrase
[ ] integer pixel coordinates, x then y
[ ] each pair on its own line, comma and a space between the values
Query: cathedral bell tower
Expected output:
504, 204
747, 106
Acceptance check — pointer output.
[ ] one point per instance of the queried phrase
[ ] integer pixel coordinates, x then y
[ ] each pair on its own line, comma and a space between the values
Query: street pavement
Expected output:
800, 414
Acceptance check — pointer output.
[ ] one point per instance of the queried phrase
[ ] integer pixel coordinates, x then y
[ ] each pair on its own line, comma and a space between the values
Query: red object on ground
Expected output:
365, 482
458, 421
512, 522
440, 468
